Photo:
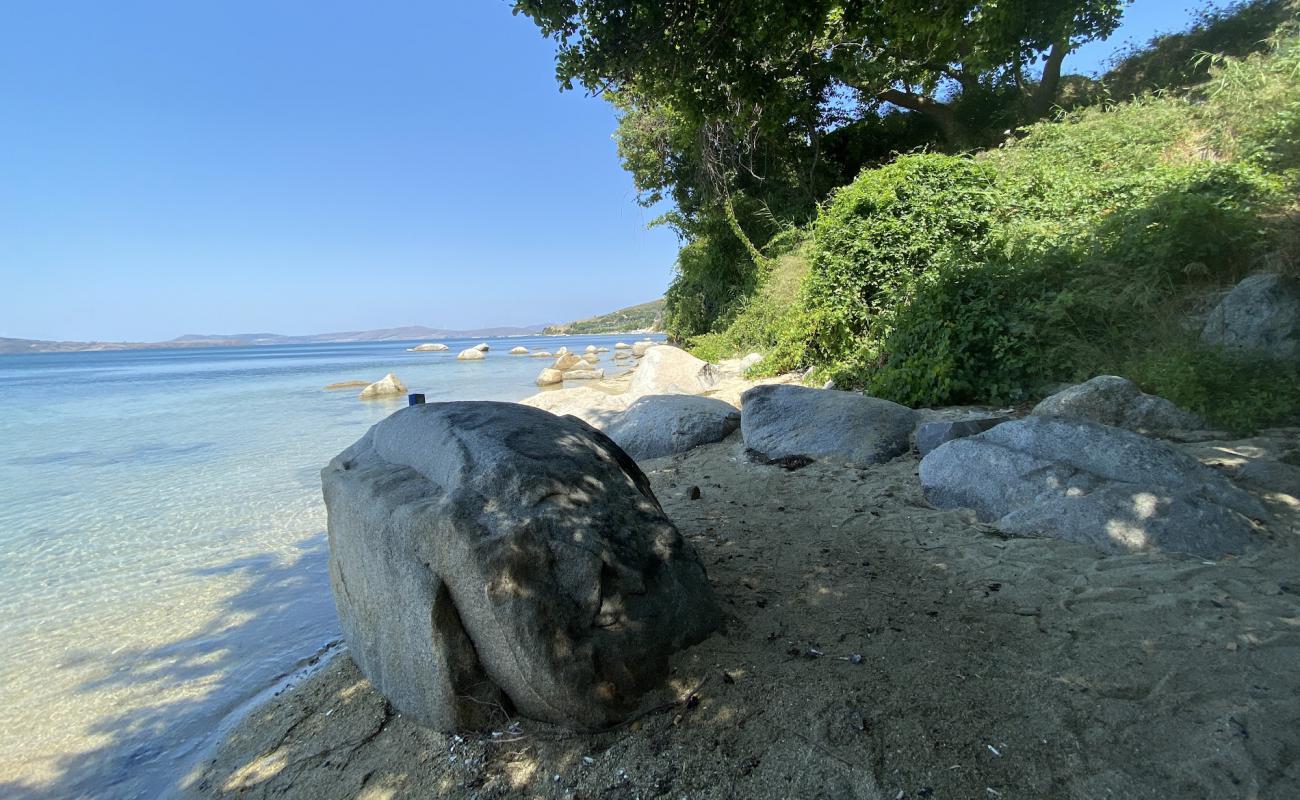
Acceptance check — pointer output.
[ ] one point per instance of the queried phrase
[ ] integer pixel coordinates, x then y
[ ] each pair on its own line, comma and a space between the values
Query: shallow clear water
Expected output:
162, 555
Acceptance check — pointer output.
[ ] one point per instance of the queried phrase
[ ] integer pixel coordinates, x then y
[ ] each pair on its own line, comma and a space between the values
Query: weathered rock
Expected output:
431, 347
540, 354
472, 354
549, 376
785, 423
930, 435
1274, 477
519, 350
623, 355
592, 358
591, 348
484, 549
386, 386
585, 375
592, 406
1260, 317
483, 346
1116, 401
622, 346
602, 349
568, 361
670, 370
750, 360
663, 424
639, 348
1104, 486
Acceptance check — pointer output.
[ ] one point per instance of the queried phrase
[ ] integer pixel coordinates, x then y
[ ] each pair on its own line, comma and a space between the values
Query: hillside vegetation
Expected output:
1088, 245
644, 317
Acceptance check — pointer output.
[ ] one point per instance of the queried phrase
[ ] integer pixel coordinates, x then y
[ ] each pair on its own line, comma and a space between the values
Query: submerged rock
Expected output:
384, 387
670, 370
334, 387
1116, 401
488, 552
1260, 317
431, 347
519, 351
661, 425
1099, 485
785, 423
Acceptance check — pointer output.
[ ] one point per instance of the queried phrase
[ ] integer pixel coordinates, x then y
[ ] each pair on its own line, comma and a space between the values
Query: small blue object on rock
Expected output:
415, 399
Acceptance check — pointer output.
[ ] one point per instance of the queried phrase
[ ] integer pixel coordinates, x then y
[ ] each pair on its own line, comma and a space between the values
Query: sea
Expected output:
162, 540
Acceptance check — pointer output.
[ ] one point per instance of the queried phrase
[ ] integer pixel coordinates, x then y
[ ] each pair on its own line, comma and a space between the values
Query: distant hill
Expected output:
645, 318
410, 332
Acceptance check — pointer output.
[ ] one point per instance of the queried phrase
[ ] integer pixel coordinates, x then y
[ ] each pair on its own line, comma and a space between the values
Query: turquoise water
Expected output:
162, 555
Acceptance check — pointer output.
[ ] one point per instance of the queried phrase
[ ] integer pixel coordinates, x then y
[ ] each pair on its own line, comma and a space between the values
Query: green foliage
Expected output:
771, 317
643, 317
1175, 62
1230, 393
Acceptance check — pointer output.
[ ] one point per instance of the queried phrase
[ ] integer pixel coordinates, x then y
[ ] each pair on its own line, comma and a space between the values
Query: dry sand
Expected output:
989, 667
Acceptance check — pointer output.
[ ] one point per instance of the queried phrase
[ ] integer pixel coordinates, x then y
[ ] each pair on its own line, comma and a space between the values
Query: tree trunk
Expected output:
941, 113
1040, 102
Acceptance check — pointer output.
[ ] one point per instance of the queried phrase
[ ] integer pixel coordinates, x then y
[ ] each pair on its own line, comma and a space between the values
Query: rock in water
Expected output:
519, 351
483, 346
790, 423
591, 348
433, 347
549, 377
661, 425
622, 346
482, 549
639, 348
1260, 317
568, 361
671, 370
1108, 487
472, 354
585, 375
384, 387
1112, 400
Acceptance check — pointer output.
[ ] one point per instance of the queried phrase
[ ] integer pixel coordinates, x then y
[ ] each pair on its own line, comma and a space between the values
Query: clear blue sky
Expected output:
299, 167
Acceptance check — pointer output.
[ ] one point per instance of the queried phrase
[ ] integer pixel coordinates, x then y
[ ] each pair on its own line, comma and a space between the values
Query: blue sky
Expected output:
300, 167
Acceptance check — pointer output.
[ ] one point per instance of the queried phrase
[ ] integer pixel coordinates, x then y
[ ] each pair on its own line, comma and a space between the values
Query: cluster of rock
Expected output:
573, 367
490, 555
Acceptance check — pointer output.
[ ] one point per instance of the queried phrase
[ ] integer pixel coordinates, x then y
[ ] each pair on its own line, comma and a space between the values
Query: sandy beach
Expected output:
874, 648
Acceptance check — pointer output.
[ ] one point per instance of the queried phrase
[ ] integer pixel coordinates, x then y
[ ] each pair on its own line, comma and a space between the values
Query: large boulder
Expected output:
483, 552
472, 354
785, 423
1260, 317
431, 347
592, 406
1104, 486
670, 370
386, 386
519, 350
664, 424
568, 361
549, 377
1116, 401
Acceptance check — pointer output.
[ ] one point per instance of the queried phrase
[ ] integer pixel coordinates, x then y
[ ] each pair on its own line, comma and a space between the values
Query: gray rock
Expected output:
1112, 400
660, 425
1260, 316
786, 423
930, 435
1275, 477
483, 550
1104, 486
